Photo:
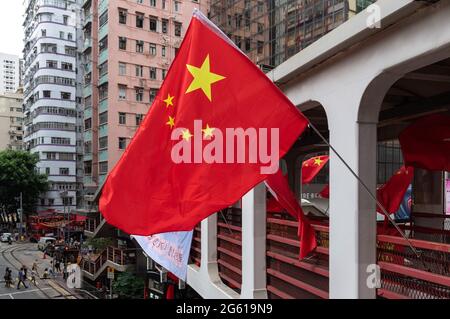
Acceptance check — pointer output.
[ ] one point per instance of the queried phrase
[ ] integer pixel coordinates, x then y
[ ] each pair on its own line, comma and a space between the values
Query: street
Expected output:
18, 254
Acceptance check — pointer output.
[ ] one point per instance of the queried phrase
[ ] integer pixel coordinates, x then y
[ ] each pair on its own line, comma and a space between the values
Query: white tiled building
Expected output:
52, 96
9, 73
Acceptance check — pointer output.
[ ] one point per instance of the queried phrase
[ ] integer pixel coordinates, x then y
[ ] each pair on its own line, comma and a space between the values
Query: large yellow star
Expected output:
203, 78
208, 131
187, 135
318, 161
171, 121
169, 100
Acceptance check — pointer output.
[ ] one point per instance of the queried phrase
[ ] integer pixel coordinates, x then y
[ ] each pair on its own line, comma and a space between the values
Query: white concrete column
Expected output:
254, 244
352, 211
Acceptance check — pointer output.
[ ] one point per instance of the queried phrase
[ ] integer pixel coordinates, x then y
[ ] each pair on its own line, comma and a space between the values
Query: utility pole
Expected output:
21, 216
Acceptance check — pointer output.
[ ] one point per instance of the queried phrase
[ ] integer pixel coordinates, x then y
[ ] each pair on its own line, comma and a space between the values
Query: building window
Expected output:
64, 171
88, 124
46, 94
153, 23
122, 68
103, 142
139, 20
122, 92
103, 44
43, 32
164, 72
139, 94
163, 51
153, 3
65, 95
103, 167
152, 73
103, 69
152, 49
138, 119
88, 168
123, 16
52, 64
103, 19
66, 66
163, 4
122, 118
164, 25
139, 70
103, 92
153, 93
103, 118
247, 44
61, 34
122, 43
65, 20
122, 143
139, 46
176, 5
177, 29
260, 47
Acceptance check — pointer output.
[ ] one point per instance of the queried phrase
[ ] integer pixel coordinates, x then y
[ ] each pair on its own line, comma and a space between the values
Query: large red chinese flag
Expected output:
312, 167
279, 187
391, 194
153, 188
426, 143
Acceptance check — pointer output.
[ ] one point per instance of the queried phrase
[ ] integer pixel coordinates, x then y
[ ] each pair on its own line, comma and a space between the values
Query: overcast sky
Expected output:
11, 32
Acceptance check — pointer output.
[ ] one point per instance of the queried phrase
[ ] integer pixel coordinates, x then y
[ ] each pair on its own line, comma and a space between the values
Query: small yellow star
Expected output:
318, 161
203, 78
171, 121
208, 131
187, 135
169, 100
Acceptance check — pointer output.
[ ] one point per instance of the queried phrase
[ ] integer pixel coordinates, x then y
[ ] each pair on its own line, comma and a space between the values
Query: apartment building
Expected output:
270, 32
128, 47
52, 97
9, 73
11, 117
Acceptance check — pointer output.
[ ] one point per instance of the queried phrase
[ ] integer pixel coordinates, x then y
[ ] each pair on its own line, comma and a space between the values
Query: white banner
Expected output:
170, 250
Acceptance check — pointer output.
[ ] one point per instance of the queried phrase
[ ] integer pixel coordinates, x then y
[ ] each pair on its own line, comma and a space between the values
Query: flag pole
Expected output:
415, 251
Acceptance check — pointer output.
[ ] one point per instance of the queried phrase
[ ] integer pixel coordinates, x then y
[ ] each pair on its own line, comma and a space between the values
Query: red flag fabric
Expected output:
279, 187
325, 192
312, 167
176, 170
426, 143
272, 206
391, 194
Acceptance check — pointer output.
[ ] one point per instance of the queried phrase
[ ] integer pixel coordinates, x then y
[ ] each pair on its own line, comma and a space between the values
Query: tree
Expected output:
129, 286
18, 174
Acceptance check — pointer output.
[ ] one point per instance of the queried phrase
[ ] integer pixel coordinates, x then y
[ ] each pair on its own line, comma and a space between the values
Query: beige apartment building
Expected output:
11, 117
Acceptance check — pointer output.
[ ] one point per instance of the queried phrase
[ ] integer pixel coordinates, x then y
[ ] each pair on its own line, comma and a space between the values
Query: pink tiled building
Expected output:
128, 47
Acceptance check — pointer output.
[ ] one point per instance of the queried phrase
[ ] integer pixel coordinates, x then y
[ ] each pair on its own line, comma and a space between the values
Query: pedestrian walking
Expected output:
33, 277
45, 276
21, 278
35, 268
7, 277
58, 266
65, 274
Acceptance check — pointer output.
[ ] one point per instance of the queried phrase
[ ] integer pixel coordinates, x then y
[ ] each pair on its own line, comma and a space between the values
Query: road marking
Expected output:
61, 290
23, 292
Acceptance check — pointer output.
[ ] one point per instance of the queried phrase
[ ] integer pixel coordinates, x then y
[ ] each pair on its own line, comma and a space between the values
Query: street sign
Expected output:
110, 274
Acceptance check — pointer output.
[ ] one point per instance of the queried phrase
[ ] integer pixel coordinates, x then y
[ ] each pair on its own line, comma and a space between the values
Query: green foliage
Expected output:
18, 174
128, 286
100, 243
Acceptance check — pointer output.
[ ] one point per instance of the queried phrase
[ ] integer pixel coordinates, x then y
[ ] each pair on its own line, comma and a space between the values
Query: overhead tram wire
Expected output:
415, 251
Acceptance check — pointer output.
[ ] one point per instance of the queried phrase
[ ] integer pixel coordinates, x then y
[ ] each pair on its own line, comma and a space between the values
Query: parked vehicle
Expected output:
5, 237
44, 241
